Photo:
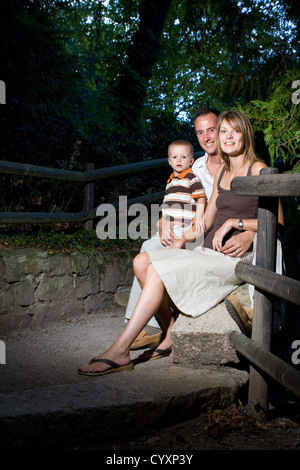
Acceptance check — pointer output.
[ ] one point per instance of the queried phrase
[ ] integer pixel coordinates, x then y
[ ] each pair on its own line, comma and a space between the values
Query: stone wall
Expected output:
37, 287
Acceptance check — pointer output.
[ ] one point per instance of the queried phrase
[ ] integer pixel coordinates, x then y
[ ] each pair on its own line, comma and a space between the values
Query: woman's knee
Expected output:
141, 263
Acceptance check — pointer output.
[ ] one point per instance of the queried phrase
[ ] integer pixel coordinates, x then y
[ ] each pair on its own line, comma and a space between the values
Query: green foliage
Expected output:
61, 239
225, 50
278, 118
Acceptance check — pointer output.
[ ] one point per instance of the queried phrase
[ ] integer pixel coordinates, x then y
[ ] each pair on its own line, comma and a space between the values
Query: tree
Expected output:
39, 119
141, 56
117, 79
226, 52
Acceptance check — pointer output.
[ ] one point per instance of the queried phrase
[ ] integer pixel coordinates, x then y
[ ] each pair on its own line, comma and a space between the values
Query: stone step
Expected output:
205, 340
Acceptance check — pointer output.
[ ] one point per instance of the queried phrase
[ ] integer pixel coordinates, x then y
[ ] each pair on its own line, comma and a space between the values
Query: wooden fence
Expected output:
87, 178
269, 186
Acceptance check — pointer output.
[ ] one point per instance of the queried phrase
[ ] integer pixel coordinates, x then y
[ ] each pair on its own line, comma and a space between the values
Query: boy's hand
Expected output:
177, 244
166, 233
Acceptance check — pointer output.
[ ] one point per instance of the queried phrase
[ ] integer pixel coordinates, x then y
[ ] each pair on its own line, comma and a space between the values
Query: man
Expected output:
205, 125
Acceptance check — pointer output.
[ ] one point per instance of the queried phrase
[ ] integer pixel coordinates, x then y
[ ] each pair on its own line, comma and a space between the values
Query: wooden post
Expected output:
88, 197
258, 402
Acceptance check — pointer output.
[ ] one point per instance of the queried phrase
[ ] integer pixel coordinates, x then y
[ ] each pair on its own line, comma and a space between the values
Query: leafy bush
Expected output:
62, 239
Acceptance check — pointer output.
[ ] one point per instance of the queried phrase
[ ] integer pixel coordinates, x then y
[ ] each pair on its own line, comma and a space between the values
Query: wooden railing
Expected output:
87, 178
269, 186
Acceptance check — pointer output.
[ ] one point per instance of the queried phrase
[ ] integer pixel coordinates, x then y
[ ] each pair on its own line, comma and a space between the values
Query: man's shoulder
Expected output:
200, 162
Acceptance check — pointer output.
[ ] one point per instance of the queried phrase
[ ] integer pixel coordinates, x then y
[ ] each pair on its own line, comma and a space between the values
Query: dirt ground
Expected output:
228, 429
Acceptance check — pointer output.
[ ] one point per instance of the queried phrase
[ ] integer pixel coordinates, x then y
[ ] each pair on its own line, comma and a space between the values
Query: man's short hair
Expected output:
204, 111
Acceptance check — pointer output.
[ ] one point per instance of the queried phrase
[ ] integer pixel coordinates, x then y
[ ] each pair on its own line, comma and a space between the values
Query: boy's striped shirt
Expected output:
181, 192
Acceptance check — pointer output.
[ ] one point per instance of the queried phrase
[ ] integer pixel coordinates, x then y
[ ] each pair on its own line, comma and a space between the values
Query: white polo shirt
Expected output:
200, 169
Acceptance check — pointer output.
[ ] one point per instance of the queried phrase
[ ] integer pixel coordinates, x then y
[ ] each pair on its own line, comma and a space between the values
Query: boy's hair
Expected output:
182, 142
204, 111
241, 123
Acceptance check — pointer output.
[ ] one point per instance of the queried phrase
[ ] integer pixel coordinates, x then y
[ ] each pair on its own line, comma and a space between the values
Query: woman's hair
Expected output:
240, 123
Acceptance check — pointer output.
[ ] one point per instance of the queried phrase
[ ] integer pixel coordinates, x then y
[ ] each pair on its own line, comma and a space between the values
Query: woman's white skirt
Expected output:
197, 280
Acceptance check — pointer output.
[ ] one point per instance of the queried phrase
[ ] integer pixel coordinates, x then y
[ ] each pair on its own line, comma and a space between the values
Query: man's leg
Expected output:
241, 315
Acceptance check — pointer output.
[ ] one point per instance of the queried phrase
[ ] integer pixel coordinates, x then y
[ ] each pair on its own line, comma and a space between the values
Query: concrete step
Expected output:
45, 403
205, 339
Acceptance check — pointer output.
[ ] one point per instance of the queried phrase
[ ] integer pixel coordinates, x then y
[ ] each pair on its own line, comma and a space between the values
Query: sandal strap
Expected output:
106, 361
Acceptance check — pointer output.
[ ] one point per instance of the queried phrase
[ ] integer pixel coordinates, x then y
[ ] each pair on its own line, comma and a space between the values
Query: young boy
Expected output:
183, 204
184, 199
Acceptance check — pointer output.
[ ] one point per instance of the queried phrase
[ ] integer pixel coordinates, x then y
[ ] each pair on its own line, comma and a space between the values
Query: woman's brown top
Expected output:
231, 206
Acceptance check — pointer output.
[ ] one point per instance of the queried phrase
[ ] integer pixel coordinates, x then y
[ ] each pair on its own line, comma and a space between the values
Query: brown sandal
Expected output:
114, 368
147, 355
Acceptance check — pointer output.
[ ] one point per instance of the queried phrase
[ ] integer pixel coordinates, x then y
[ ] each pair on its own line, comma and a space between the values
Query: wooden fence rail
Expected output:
276, 368
88, 178
81, 176
280, 285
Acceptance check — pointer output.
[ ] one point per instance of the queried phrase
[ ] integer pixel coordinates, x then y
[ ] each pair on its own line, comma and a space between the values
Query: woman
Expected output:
193, 281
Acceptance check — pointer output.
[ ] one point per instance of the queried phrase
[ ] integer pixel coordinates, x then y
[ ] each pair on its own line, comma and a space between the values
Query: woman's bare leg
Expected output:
164, 315
141, 266
151, 299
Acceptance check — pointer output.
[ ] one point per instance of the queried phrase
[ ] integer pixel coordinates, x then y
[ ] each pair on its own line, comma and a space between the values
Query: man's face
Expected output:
206, 132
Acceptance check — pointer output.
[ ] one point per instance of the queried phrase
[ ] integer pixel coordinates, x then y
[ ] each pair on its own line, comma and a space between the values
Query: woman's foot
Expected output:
107, 362
114, 367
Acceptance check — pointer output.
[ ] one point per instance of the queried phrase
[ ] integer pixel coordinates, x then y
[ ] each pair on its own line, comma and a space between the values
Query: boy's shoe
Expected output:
241, 315
143, 341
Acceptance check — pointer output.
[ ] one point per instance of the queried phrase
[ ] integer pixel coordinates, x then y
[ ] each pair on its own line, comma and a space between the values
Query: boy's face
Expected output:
180, 158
